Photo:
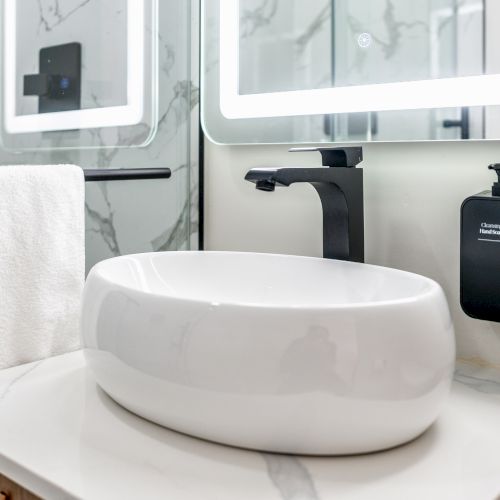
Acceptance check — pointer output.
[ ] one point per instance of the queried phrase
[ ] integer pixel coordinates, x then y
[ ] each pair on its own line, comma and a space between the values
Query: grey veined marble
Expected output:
290, 477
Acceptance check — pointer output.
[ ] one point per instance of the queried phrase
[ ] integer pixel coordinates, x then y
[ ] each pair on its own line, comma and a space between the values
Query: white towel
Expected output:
42, 261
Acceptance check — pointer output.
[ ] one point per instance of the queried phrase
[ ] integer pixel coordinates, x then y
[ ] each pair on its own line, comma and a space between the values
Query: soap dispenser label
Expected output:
489, 232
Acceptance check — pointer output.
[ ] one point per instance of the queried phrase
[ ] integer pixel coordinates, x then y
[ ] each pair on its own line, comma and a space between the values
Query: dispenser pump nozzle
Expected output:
495, 190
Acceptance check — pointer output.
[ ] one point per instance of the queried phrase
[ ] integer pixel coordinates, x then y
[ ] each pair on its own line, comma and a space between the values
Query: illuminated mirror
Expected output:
350, 70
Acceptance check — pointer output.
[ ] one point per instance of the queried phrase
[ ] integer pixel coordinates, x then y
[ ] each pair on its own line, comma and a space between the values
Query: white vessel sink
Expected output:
271, 352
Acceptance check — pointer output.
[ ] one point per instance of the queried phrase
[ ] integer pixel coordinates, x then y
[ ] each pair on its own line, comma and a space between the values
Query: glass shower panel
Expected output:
121, 216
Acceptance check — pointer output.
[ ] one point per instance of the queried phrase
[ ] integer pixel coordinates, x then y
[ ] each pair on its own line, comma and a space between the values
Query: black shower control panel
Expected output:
58, 83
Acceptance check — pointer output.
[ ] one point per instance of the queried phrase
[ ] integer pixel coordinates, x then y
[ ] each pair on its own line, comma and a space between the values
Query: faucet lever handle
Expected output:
496, 168
495, 190
336, 157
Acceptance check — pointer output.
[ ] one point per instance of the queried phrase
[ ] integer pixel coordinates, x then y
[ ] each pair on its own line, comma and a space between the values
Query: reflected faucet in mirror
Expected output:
340, 187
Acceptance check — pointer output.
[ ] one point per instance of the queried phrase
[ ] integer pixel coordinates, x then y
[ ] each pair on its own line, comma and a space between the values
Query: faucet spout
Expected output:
341, 193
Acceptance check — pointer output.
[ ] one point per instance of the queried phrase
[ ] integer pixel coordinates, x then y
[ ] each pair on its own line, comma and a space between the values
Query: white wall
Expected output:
413, 193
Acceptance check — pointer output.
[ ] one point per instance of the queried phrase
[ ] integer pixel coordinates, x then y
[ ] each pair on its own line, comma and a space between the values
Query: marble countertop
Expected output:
62, 437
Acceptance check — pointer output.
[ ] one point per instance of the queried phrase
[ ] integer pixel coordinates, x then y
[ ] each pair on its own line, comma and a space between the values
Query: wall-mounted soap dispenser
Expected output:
480, 253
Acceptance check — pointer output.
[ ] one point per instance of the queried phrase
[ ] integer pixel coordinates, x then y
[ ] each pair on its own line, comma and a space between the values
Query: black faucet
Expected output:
340, 188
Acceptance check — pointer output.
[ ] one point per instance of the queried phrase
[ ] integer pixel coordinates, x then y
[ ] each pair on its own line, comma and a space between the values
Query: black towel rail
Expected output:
125, 174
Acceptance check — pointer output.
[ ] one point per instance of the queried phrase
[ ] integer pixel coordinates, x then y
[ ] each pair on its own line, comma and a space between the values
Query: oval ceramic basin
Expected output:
271, 352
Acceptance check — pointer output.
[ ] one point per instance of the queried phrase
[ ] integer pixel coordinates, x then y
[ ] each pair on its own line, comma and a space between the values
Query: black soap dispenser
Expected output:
480, 253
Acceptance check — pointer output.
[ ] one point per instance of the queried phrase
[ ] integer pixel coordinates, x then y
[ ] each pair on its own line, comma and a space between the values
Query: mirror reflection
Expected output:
290, 45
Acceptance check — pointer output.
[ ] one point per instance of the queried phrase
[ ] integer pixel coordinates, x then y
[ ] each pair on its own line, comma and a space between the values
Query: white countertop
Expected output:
62, 437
